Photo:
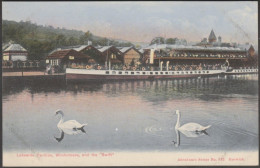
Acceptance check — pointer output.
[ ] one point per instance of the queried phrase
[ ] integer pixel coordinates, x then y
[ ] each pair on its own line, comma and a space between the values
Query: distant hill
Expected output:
39, 40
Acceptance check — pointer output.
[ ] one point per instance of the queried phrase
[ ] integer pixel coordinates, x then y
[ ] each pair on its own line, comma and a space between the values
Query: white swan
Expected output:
190, 127
70, 127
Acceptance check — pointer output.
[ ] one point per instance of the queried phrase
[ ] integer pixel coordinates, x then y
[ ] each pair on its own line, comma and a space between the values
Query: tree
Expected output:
157, 40
88, 36
72, 41
171, 40
60, 40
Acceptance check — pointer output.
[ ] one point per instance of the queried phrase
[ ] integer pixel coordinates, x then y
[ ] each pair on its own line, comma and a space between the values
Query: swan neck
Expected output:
61, 120
178, 121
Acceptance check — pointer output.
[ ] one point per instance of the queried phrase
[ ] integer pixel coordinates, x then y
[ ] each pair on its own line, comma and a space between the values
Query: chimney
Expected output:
89, 42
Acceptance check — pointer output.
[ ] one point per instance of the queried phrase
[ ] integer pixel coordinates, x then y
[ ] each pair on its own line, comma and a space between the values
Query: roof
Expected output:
104, 48
77, 48
141, 51
212, 35
124, 49
165, 46
69, 52
15, 47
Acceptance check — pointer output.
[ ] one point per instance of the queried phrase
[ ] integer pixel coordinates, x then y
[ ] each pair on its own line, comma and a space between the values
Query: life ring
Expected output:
87, 67
143, 69
99, 67
176, 68
134, 68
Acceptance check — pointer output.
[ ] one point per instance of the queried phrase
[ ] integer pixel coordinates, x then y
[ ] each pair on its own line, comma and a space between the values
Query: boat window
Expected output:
113, 72
187, 72
161, 72
120, 72
207, 71
138, 73
151, 73
132, 73
126, 72
203, 71
190, 72
156, 73
107, 72
178, 72
199, 72
172, 72
143, 73
182, 72
166, 73
195, 71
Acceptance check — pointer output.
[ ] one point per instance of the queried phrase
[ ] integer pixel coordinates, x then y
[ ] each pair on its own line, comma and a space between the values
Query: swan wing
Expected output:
70, 127
73, 123
191, 127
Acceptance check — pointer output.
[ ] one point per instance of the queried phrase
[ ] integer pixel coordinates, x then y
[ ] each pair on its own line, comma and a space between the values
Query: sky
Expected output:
142, 21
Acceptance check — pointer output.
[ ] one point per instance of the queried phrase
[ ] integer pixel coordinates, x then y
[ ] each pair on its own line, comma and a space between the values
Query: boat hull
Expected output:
82, 74
242, 71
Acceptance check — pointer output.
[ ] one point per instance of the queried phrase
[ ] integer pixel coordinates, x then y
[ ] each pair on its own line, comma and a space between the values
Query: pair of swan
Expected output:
189, 129
70, 127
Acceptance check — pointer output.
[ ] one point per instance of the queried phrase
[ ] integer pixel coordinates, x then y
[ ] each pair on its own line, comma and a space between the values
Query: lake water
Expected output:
133, 115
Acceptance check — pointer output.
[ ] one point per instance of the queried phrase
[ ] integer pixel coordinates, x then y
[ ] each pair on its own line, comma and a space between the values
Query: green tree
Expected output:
157, 40
171, 40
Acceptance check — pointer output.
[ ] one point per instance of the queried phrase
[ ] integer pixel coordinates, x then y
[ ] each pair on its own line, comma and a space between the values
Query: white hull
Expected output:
121, 74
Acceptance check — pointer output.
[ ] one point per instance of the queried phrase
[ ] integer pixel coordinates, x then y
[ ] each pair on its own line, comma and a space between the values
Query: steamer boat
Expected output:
85, 74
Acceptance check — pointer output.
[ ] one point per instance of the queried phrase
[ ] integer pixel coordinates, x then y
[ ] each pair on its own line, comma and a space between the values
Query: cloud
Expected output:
245, 21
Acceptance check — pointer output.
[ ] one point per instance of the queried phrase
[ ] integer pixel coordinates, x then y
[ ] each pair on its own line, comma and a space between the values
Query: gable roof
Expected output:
126, 49
104, 48
15, 47
69, 52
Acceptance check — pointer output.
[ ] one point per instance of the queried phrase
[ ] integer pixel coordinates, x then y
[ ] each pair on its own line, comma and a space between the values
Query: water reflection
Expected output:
146, 107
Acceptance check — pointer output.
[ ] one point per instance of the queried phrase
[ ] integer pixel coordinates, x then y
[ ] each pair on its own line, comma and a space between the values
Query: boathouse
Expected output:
67, 58
14, 52
130, 55
110, 55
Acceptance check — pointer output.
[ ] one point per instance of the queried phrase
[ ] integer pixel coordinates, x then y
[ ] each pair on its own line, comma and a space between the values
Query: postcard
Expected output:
130, 83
